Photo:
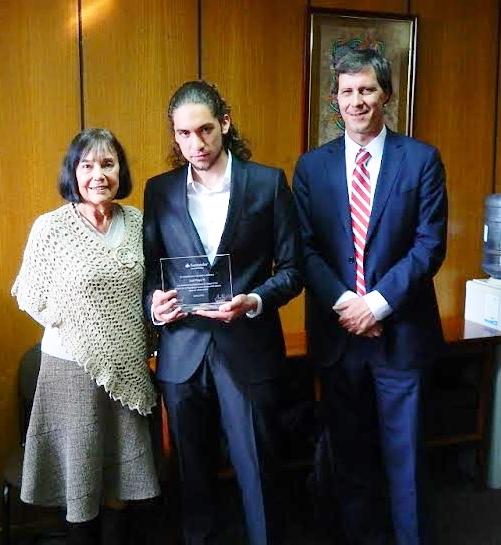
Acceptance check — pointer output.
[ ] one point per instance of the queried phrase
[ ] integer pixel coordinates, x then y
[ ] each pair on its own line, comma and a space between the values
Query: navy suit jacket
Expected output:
405, 246
261, 235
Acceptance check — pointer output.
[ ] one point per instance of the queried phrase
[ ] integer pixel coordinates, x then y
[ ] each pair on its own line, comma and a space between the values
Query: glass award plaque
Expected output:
199, 284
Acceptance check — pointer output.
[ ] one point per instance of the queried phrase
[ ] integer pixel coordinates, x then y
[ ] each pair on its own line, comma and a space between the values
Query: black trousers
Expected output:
247, 414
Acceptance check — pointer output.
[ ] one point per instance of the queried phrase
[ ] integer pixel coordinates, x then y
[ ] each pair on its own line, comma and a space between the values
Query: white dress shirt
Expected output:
208, 208
375, 301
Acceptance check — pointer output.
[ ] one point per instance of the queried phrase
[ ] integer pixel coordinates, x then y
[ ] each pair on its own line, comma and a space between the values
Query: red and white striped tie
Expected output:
360, 209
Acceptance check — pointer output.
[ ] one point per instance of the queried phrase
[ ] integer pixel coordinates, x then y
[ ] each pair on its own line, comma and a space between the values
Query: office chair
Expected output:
29, 367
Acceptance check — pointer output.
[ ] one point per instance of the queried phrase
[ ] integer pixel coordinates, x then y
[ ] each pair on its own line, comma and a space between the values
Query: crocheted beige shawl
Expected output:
72, 280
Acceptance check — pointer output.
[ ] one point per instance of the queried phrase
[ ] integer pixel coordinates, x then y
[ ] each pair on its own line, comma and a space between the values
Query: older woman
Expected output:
81, 279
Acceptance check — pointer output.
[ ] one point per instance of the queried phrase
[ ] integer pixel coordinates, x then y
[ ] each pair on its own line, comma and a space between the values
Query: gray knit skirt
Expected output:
82, 446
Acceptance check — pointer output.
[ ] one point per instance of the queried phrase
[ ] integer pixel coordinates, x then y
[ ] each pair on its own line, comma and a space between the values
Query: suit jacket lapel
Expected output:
181, 198
393, 154
335, 171
237, 197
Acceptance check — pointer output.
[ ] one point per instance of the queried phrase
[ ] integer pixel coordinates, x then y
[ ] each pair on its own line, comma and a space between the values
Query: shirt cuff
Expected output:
378, 305
346, 296
259, 309
153, 317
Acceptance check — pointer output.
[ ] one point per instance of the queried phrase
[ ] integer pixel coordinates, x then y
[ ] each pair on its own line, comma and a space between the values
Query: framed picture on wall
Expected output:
331, 33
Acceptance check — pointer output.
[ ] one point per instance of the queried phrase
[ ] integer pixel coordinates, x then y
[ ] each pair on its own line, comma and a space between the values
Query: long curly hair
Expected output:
203, 92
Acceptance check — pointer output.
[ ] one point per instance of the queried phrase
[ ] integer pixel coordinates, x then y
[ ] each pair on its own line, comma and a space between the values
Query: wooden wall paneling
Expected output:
388, 6
497, 171
135, 54
253, 50
455, 102
40, 113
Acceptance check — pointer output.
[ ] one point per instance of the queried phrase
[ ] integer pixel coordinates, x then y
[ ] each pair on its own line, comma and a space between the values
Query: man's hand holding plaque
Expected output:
240, 304
165, 307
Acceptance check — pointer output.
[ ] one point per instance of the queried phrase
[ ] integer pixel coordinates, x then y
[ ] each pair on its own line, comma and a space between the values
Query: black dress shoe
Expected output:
83, 533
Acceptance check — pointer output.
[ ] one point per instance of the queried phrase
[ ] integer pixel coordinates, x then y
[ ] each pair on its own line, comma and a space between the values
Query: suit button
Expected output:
351, 260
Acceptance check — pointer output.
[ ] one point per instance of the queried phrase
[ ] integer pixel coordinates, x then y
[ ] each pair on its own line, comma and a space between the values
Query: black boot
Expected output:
149, 524
114, 527
83, 533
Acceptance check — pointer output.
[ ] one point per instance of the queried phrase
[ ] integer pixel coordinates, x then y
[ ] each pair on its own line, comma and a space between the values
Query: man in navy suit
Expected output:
373, 214
221, 366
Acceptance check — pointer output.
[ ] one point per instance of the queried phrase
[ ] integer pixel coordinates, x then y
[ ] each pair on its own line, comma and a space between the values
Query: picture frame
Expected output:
330, 33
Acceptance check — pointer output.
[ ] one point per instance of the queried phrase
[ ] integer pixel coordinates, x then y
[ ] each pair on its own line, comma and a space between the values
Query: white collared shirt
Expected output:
208, 208
375, 148
375, 301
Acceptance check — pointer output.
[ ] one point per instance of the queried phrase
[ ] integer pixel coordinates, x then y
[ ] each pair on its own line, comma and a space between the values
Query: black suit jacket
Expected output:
261, 236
